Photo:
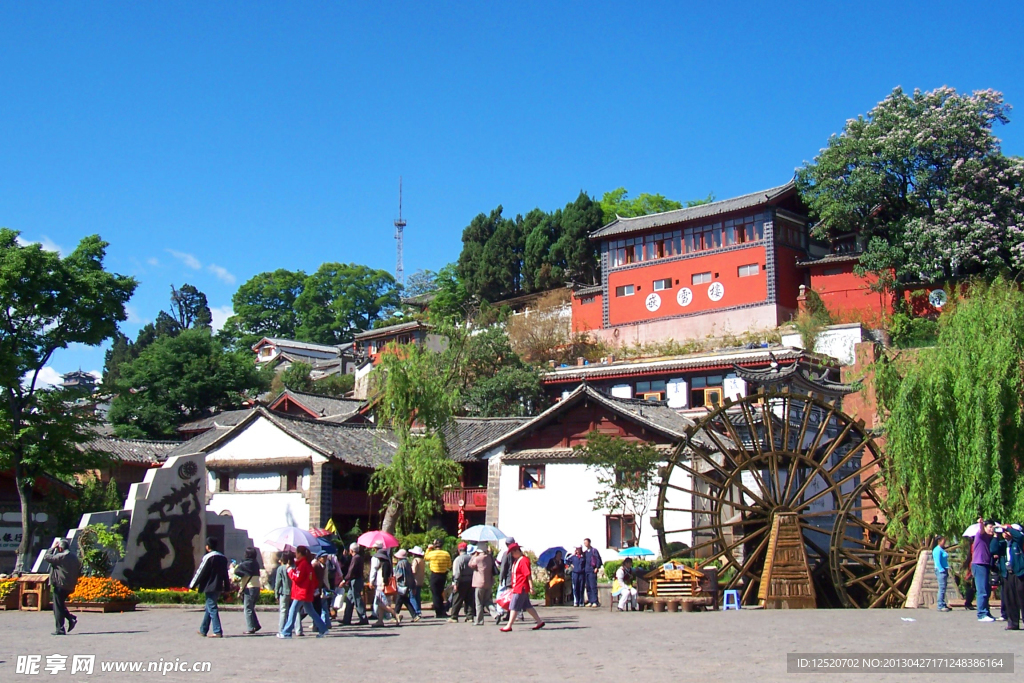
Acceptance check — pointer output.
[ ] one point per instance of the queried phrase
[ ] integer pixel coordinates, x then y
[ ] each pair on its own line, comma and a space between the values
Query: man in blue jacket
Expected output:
211, 579
592, 562
1007, 550
576, 564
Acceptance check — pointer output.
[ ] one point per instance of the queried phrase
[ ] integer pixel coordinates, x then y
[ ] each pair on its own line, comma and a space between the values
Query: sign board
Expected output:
653, 302
10, 538
716, 290
684, 296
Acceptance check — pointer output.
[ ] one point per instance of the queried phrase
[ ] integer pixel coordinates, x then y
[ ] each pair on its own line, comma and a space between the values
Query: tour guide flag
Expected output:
330, 526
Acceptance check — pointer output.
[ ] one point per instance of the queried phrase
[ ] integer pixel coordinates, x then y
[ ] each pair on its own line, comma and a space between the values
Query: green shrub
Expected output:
641, 566
908, 332
167, 596
423, 539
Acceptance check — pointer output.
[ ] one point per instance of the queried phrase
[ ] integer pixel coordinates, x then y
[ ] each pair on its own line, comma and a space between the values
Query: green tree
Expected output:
494, 379
92, 495
540, 272
340, 300
335, 385
49, 303
415, 385
264, 306
923, 184
618, 203
189, 308
626, 471
420, 282
955, 425
472, 268
296, 377
452, 302
180, 378
574, 251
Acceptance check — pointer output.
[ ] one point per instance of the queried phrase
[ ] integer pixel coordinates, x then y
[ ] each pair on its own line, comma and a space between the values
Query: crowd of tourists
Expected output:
993, 558
331, 588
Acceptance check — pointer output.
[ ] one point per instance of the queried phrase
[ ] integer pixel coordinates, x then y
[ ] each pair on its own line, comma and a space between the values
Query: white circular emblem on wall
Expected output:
653, 302
684, 296
716, 291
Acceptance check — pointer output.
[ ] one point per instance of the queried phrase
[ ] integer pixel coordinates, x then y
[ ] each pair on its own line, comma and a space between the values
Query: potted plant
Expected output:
96, 594
8, 594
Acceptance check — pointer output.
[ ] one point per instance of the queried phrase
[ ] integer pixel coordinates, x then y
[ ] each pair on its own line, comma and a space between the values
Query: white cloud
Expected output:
222, 273
97, 374
220, 314
153, 261
188, 259
48, 377
45, 242
134, 317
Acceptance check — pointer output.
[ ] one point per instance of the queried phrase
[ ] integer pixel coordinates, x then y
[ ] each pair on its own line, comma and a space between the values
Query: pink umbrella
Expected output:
370, 538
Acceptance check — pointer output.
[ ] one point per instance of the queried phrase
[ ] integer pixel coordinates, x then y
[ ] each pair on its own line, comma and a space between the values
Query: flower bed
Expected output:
8, 594
184, 596
93, 589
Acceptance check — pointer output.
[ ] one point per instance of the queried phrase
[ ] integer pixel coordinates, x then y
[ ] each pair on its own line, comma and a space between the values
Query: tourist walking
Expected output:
64, 572
283, 589
592, 562
248, 574
576, 563
380, 578
941, 560
304, 588
505, 562
522, 586
211, 579
405, 582
482, 566
354, 588
438, 561
419, 574
981, 563
462, 586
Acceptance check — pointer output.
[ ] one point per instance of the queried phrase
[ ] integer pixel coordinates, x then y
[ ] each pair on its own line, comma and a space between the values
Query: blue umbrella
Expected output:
635, 552
548, 555
327, 546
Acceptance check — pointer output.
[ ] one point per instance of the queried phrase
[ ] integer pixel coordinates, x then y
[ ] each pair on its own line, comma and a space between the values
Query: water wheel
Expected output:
785, 493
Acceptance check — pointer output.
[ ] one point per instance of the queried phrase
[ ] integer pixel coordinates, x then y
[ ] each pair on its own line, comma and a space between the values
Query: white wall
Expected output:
259, 513
263, 440
561, 513
835, 340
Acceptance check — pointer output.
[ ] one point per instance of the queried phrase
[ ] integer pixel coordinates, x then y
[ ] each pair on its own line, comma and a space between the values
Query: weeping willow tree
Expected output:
416, 394
955, 426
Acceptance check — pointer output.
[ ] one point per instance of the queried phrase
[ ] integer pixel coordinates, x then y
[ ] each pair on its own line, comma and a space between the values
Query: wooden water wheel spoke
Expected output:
780, 496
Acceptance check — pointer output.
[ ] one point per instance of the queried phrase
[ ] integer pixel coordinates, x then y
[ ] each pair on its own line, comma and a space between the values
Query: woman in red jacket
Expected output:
304, 586
522, 586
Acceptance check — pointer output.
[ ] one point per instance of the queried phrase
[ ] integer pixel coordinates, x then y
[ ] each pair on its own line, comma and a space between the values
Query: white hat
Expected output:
416, 550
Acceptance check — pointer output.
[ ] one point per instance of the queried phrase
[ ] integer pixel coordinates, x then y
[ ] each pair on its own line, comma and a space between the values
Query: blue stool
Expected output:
731, 600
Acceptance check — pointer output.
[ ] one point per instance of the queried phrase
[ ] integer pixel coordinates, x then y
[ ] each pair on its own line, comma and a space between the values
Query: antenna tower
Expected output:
399, 232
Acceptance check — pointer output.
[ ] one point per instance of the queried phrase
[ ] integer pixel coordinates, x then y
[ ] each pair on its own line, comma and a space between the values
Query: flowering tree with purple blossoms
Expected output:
923, 184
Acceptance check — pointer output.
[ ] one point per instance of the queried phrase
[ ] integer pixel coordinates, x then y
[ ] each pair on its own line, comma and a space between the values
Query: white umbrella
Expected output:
483, 532
291, 537
972, 530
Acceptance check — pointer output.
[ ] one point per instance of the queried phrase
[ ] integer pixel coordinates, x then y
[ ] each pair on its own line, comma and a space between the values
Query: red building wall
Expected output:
848, 296
723, 267
788, 276
586, 316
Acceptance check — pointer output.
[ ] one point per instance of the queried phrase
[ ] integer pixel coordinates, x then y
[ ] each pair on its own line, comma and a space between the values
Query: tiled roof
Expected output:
360, 446
830, 258
538, 455
228, 418
132, 450
621, 226
464, 435
654, 415
300, 345
587, 291
420, 300
695, 361
389, 330
327, 407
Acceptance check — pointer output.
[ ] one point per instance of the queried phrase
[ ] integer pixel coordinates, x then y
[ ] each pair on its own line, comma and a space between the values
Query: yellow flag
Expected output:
330, 526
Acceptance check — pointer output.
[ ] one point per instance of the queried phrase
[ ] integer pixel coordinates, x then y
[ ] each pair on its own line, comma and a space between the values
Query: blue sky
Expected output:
208, 142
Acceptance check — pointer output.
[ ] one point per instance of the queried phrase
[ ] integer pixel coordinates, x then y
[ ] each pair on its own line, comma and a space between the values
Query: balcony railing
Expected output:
475, 498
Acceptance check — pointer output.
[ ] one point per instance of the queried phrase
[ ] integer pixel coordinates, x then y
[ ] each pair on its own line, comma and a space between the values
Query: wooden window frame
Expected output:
291, 480
623, 520
540, 481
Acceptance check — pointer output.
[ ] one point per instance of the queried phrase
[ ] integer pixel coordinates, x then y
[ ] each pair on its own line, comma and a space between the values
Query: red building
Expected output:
728, 266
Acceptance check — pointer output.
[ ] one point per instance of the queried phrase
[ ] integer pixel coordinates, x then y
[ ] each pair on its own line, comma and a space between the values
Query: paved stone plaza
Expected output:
577, 644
